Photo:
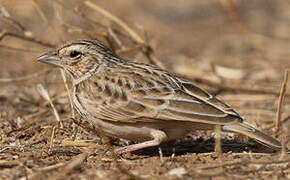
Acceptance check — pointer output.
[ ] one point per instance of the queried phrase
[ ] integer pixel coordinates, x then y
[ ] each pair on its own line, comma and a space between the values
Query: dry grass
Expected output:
225, 46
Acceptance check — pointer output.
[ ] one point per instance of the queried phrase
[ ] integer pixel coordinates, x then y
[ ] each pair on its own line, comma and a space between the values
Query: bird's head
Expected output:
79, 57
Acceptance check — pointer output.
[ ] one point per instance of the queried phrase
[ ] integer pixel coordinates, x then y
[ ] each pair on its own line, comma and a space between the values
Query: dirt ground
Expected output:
237, 50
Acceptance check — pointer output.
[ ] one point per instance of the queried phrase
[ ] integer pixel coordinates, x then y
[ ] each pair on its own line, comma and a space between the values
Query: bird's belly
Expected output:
134, 132
141, 131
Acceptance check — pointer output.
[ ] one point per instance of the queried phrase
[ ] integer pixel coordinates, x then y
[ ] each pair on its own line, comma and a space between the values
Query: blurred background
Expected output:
236, 49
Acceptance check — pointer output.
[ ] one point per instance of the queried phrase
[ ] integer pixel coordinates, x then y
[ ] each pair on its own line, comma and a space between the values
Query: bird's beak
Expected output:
50, 58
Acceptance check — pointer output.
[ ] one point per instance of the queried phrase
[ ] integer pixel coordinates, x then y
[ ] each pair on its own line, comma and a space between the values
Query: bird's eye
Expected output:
74, 54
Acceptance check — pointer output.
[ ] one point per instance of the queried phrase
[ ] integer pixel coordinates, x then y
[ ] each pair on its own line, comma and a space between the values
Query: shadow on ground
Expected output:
204, 146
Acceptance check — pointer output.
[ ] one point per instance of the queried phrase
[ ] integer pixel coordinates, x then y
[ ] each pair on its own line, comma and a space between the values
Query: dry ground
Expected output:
237, 50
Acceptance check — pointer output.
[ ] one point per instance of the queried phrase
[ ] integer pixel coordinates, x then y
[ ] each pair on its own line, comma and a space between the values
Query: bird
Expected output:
141, 102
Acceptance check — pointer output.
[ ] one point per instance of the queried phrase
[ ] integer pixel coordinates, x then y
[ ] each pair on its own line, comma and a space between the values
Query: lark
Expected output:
141, 102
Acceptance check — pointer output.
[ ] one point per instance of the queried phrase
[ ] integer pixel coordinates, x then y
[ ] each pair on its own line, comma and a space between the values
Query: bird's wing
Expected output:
190, 103
145, 98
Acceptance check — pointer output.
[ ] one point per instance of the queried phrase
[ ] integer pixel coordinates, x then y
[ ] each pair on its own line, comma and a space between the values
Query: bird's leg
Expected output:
157, 135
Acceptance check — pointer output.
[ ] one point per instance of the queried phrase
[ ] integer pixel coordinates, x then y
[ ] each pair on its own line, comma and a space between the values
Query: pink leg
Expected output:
157, 135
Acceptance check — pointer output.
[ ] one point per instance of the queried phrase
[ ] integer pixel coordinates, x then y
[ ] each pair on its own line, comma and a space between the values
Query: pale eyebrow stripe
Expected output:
67, 45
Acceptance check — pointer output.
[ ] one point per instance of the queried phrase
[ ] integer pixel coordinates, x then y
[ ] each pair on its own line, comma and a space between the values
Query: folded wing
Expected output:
146, 98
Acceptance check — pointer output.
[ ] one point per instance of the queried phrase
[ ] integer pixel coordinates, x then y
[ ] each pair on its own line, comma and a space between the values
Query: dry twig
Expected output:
115, 19
42, 171
218, 146
281, 100
147, 50
24, 78
43, 92
27, 36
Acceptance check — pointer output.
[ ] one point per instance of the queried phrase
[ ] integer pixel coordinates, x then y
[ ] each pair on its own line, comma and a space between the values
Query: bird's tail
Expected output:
251, 132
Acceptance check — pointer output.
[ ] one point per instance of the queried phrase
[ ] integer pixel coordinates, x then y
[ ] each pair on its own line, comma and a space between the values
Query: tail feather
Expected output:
251, 132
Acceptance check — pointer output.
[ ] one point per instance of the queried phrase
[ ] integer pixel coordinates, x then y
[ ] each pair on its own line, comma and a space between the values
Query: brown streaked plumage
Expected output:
141, 102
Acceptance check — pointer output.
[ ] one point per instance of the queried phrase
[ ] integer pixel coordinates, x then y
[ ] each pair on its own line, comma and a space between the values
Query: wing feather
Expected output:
154, 96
